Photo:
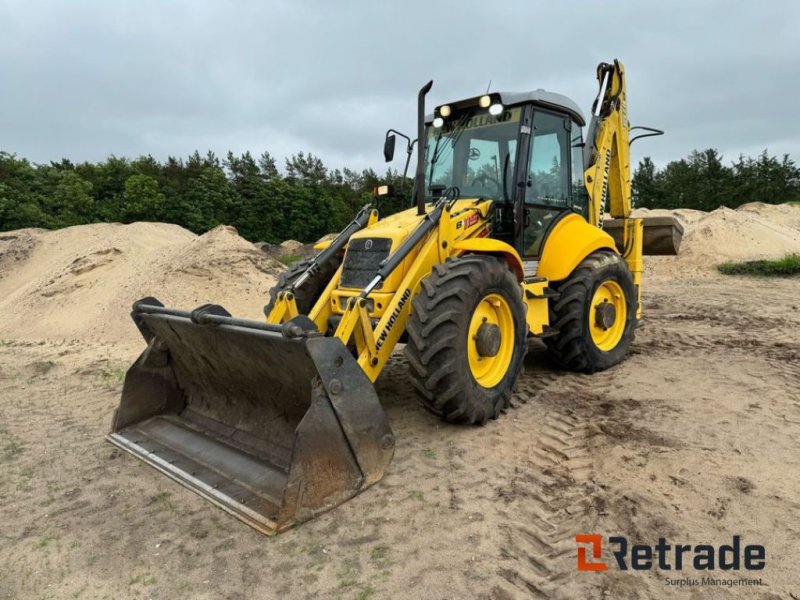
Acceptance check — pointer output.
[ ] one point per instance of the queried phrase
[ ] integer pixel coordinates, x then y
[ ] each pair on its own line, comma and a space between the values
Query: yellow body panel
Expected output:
537, 304
571, 240
486, 245
634, 237
320, 246
379, 301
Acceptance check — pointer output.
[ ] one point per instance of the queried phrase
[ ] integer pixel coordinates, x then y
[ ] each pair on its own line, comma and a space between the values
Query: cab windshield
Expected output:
474, 153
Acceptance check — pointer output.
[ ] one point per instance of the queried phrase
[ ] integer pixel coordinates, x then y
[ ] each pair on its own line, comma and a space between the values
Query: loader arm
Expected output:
435, 239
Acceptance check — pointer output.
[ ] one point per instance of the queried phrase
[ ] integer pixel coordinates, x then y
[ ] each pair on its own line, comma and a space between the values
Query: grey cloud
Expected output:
87, 79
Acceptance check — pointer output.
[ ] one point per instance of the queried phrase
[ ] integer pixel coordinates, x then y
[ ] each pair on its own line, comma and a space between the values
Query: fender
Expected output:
571, 240
494, 247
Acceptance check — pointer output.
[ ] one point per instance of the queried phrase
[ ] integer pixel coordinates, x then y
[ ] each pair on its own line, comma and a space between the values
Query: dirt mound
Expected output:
81, 281
16, 247
686, 216
291, 245
749, 233
289, 249
783, 214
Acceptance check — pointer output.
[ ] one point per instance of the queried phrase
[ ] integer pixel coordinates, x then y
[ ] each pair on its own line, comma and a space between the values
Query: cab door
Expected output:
546, 182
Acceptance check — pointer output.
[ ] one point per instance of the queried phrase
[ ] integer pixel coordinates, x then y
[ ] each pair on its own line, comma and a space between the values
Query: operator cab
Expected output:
524, 151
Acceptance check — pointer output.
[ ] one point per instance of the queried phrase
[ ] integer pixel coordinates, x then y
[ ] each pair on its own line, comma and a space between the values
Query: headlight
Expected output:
495, 109
484, 101
444, 110
438, 122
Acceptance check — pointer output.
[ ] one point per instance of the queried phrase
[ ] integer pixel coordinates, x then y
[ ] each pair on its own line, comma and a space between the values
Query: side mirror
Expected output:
381, 190
437, 190
388, 147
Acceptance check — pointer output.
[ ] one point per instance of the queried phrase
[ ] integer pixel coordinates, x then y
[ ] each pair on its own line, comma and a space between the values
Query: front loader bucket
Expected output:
274, 424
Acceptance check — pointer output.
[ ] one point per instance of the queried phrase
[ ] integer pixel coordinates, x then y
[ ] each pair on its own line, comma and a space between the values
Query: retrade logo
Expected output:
667, 556
595, 541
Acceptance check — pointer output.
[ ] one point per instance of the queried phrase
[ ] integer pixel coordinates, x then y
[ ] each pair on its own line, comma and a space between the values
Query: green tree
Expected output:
71, 202
646, 187
267, 166
19, 200
208, 198
142, 200
306, 168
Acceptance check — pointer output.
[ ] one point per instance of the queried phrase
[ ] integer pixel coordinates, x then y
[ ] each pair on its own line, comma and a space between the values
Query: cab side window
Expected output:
548, 174
580, 197
548, 188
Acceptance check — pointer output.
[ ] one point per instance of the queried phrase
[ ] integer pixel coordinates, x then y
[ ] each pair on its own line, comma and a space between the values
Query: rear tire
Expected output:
448, 352
584, 343
306, 296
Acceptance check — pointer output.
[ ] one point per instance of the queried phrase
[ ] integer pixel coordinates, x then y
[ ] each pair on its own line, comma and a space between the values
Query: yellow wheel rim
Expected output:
490, 357
607, 315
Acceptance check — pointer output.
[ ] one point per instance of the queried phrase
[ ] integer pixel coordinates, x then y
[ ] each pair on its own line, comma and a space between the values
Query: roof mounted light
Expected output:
495, 109
438, 122
445, 110
485, 101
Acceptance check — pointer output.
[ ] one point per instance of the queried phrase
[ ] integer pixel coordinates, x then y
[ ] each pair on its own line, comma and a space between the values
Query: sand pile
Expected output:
81, 281
686, 216
783, 214
754, 231
291, 245
16, 247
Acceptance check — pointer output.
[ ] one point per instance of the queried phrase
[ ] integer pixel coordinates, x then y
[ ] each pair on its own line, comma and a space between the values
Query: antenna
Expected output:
488, 86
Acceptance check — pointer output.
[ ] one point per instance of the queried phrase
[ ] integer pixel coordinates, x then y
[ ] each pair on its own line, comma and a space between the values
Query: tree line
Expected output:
306, 199
702, 181
304, 202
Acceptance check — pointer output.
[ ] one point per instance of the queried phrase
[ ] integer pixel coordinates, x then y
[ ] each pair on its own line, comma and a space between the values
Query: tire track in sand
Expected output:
549, 497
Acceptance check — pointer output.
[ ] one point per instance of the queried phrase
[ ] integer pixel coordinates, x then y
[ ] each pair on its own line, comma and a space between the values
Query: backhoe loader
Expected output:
277, 421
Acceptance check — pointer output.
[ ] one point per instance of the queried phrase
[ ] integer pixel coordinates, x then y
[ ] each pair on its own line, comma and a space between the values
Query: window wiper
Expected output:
506, 162
438, 150
434, 158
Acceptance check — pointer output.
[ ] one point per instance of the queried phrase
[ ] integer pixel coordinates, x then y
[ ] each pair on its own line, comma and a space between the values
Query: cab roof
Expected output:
541, 98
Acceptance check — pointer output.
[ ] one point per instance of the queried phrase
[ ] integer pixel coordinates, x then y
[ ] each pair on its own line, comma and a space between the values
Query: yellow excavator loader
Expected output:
278, 421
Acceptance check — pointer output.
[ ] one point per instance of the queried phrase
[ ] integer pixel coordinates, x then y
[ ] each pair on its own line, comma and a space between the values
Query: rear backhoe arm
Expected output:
607, 149
608, 166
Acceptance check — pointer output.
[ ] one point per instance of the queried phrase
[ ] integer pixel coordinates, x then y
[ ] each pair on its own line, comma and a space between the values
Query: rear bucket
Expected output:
662, 235
274, 424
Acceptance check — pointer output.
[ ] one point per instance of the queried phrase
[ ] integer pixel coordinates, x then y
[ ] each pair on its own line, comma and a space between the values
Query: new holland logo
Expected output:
392, 319
605, 179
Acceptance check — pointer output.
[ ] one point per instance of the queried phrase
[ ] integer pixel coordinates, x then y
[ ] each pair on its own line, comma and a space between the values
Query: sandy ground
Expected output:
696, 437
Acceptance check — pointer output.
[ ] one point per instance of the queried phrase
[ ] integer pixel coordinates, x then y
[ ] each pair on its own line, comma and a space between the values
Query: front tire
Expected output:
595, 315
467, 339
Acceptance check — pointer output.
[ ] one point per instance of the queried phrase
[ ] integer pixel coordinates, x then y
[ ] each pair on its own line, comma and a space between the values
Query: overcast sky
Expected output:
83, 79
